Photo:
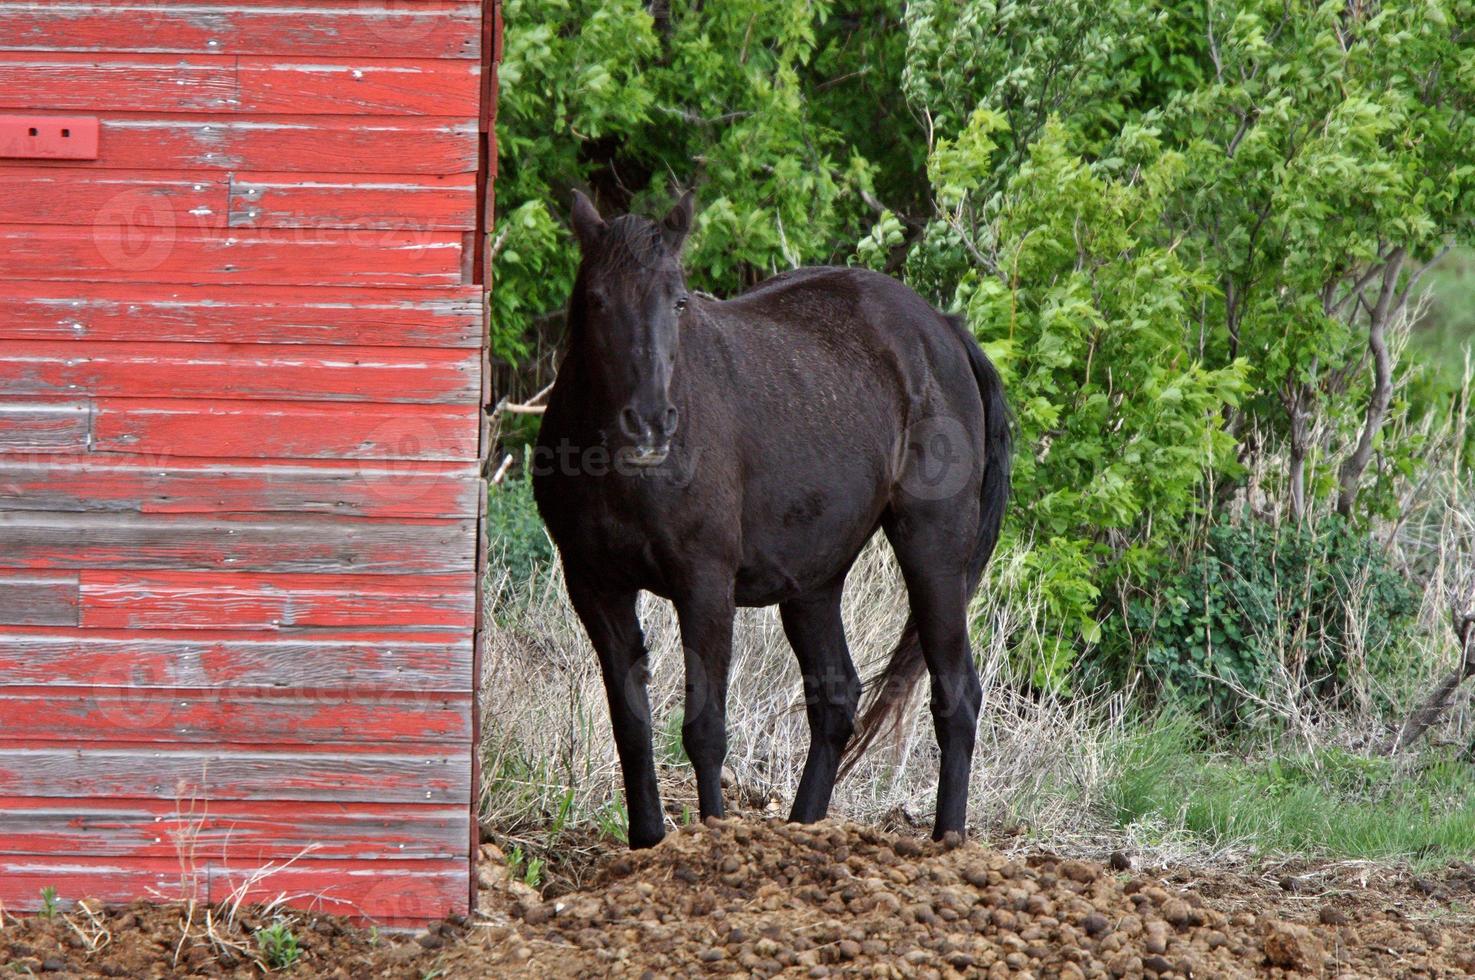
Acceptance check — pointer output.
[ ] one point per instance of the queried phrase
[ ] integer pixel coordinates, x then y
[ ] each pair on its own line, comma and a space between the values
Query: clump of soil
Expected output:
768, 898
761, 897
141, 940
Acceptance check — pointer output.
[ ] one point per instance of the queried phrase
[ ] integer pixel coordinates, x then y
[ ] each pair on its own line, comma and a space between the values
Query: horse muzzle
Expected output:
648, 456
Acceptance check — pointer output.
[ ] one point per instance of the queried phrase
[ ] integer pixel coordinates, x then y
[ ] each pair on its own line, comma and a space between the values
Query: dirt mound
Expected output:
755, 897
765, 898
145, 941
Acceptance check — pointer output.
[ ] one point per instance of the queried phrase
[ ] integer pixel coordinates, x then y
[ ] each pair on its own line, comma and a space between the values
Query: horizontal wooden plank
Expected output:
181, 485
340, 144
286, 430
38, 598
56, 196
240, 371
241, 314
43, 427
358, 86
242, 600
405, 201
247, 542
431, 29
111, 880
401, 894
220, 830
51, 82
305, 661
146, 245
87, 772
95, 715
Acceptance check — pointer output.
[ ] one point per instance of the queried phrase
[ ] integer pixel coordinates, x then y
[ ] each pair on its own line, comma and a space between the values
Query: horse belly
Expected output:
804, 543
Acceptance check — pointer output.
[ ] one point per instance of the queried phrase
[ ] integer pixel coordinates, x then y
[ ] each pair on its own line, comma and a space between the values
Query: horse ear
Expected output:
677, 223
588, 225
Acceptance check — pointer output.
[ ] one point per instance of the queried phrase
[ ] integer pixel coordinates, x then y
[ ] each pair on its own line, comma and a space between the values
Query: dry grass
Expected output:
549, 746
1049, 764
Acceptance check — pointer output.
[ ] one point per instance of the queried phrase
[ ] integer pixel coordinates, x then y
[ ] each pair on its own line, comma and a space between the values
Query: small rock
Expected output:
1095, 924
53, 964
1119, 861
1329, 916
1292, 884
1157, 964
1293, 947
536, 915
906, 847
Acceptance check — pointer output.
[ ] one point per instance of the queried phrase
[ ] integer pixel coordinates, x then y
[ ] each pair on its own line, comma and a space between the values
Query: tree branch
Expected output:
1382, 393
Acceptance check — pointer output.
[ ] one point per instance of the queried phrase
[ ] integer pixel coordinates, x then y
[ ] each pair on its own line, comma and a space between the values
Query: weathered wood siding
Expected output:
242, 377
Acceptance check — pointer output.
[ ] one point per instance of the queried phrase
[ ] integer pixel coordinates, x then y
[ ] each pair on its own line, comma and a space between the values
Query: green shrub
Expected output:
521, 550
1315, 604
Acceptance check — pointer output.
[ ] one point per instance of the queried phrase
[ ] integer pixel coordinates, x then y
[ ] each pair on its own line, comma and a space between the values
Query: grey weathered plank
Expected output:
248, 542
38, 598
157, 773
43, 427
144, 483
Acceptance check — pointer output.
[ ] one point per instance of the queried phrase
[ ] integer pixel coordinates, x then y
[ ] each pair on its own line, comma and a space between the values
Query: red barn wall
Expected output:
241, 389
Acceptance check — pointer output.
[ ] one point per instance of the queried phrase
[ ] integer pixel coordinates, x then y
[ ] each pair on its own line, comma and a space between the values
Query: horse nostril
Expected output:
671, 419
630, 422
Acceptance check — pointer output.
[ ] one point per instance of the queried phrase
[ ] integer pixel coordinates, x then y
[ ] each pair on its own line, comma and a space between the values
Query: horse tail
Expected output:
891, 688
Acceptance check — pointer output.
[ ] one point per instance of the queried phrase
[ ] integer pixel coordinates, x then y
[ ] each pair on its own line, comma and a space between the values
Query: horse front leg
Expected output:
614, 629
706, 612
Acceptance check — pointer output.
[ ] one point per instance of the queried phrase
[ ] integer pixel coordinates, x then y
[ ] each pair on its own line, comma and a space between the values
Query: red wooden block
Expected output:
432, 29
241, 600
240, 371
126, 311
366, 662
48, 137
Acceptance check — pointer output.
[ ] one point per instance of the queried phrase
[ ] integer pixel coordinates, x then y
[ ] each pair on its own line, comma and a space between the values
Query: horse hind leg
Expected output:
831, 691
934, 567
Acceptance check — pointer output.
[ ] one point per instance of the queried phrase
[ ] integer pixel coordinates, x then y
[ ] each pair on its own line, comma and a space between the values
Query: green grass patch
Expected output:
1328, 803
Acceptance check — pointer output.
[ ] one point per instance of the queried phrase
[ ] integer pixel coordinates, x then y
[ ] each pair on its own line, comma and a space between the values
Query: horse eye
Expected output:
680, 304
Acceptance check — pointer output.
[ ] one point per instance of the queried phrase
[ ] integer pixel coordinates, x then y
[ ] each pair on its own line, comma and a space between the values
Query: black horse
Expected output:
741, 453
